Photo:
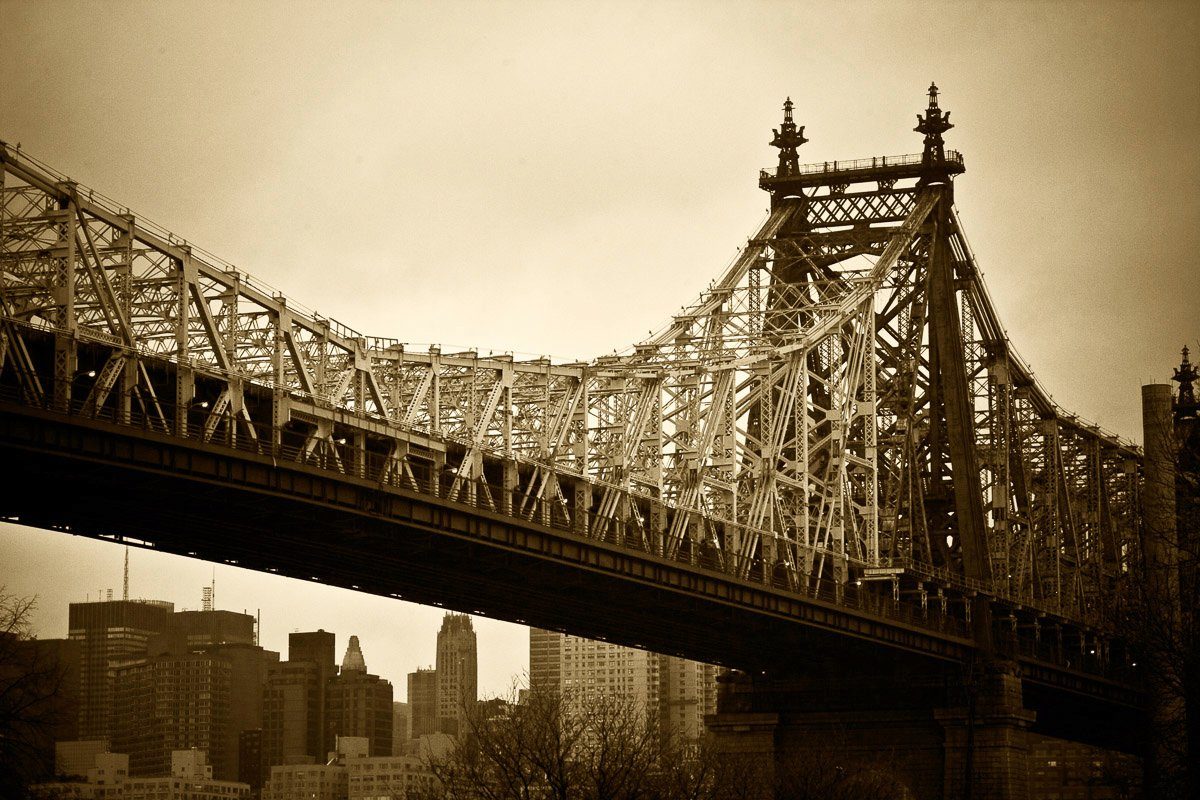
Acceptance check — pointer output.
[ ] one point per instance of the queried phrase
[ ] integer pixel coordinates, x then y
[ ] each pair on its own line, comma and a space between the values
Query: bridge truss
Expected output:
841, 406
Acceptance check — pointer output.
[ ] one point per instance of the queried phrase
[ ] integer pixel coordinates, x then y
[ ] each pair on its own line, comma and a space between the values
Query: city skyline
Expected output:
427, 119
422, 624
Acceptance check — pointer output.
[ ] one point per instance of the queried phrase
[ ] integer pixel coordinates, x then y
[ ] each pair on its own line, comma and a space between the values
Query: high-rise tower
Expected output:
109, 634
360, 704
422, 703
294, 700
457, 671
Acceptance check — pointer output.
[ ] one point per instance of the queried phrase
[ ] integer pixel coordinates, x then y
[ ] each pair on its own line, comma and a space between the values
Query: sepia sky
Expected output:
559, 178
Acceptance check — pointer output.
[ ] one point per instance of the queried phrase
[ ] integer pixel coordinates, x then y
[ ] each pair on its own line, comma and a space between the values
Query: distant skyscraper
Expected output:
292, 714
678, 691
422, 703
360, 704
457, 671
294, 728
109, 633
229, 637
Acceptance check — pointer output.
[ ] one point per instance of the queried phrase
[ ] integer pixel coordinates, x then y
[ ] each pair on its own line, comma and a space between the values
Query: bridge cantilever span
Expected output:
834, 446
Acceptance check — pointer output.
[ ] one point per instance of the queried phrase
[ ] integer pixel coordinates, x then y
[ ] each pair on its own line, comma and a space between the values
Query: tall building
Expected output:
591, 668
249, 665
360, 704
109, 633
677, 691
545, 660
294, 728
200, 685
457, 671
422, 703
687, 692
174, 702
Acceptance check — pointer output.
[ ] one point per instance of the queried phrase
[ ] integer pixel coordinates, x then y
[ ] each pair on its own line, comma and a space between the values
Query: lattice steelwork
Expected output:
841, 405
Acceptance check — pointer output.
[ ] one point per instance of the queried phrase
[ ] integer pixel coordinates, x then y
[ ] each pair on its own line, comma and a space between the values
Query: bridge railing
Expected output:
860, 164
343, 458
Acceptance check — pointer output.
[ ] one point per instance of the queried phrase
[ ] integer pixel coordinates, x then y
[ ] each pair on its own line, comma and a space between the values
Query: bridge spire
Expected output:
933, 124
1186, 375
787, 138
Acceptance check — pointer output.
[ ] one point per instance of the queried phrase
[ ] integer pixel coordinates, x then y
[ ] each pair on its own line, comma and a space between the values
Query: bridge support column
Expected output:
903, 732
986, 741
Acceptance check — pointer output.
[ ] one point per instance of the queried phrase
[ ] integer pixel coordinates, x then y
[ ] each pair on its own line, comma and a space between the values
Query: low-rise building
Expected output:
109, 779
351, 774
73, 759
190, 779
386, 777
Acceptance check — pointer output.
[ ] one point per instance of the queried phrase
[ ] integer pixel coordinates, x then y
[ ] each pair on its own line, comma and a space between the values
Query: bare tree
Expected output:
595, 747
30, 683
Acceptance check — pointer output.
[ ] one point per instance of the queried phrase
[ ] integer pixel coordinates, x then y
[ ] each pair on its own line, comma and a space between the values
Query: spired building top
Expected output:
787, 138
353, 660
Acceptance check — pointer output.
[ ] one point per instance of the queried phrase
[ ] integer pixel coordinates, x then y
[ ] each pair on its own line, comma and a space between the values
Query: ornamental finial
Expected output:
787, 138
1186, 375
933, 124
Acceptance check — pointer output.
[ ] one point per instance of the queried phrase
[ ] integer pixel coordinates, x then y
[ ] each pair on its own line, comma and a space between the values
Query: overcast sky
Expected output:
559, 178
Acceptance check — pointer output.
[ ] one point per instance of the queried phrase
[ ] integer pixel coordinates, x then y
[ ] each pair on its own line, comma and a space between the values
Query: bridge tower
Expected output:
945, 732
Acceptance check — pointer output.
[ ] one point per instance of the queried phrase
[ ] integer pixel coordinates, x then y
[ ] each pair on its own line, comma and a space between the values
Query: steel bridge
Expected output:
835, 446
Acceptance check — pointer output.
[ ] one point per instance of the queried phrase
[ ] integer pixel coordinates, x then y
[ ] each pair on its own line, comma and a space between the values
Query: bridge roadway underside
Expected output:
95, 479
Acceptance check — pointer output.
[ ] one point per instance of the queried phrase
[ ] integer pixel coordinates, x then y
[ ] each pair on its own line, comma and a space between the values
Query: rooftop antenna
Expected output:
125, 593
